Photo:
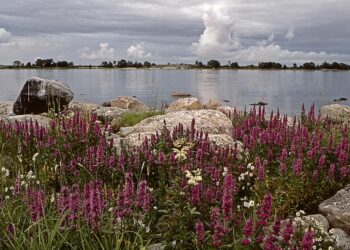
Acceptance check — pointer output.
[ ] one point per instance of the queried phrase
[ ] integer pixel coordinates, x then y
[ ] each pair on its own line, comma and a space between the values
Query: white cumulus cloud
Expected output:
138, 52
218, 36
104, 52
5, 36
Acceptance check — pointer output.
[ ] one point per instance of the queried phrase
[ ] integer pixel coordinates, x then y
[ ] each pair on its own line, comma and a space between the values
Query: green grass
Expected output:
132, 118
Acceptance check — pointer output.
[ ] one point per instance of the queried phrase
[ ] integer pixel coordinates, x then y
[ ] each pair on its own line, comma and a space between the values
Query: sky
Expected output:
176, 31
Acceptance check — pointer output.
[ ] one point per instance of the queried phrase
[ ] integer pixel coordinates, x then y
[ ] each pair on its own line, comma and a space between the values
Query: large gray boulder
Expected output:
336, 112
337, 209
127, 102
218, 126
211, 121
188, 103
39, 95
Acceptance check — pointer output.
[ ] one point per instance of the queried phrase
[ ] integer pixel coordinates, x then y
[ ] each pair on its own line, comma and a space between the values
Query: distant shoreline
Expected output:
159, 68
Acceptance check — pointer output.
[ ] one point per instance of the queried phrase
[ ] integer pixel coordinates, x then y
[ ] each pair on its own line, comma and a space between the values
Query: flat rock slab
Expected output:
336, 112
217, 125
6, 107
337, 209
39, 95
211, 121
42, 121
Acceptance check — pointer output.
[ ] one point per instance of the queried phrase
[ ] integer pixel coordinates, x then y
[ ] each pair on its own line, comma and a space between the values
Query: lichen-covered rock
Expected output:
337, 209
39, 95
215, 123
227, 110
336, 112
6, 108
342, 238
319, 220
107, 114
188, 103
83, 107
42, 121
211, 121
127, 102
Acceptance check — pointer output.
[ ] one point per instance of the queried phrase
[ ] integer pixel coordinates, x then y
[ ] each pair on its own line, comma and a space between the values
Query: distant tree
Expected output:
284, 66
17, 63
234, 65
213, 64
70, 64
28, 65
309, 65
106, 64
147, 64
39, 62
122, 64
153, 64
295, 66
325, 65
48, 62
62, 64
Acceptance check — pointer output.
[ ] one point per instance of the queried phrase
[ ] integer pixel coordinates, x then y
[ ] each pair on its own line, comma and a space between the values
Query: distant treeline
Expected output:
126, 64
275, 65
48, 63
43, 63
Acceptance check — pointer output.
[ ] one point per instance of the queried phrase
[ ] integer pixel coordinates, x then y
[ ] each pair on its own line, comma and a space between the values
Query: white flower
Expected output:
155, 208
34, 156
147, 229
52, 198
7, 197
3, 169
6, 189
38, 182
251, 174
29, 174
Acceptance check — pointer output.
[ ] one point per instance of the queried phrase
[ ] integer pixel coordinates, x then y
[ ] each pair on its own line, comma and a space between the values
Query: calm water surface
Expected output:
283, 89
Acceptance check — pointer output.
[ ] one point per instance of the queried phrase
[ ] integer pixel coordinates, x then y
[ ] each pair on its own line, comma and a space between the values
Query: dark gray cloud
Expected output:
88, 31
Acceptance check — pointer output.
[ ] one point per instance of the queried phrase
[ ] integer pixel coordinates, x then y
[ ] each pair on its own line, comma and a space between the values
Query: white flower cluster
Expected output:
5, 172
194, 177
322, 237
249, 204
181, 149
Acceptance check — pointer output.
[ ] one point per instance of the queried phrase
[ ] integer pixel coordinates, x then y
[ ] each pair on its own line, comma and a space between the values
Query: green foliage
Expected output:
131, 118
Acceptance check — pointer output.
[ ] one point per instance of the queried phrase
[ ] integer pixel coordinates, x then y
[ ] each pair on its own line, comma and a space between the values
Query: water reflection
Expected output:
283, 89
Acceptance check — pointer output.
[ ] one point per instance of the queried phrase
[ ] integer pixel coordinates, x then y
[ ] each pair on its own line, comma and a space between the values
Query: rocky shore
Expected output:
40, 97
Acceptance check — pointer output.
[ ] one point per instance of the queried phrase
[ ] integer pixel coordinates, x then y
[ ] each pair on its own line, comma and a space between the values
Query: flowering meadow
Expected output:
67, 187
